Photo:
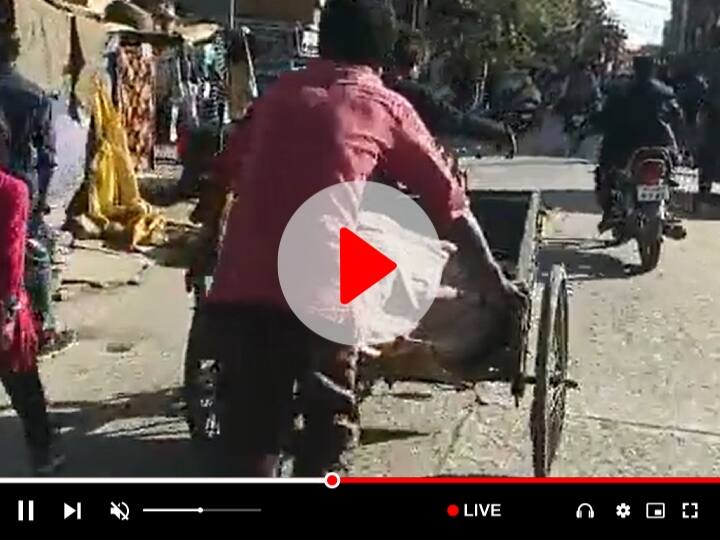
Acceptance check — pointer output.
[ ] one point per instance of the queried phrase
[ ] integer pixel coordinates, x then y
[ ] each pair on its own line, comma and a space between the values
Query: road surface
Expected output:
645, 351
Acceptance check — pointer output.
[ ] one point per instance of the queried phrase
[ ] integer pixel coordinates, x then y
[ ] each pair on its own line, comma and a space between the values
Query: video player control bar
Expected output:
201, 510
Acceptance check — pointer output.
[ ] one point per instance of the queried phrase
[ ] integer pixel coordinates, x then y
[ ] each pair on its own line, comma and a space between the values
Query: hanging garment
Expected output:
168, 95
242, 84
220, 57
163, 76
74, 68
210, 107
111, 197
136, 86
213, 103
222, 77
189, 107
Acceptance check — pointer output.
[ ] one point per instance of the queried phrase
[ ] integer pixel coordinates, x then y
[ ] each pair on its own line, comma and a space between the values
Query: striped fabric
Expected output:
213, 101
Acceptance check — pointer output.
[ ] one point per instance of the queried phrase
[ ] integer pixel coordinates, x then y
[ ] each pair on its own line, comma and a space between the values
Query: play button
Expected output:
361, 266
360, 263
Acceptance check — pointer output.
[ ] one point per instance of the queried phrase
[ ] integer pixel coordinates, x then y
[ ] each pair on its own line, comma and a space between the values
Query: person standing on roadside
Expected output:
18, 334
28, 112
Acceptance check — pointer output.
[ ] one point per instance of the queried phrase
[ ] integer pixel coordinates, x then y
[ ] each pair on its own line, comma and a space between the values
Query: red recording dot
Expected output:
332, 480
453, 510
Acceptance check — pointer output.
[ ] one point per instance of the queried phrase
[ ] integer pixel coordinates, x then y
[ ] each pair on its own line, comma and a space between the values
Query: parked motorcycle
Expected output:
640, 198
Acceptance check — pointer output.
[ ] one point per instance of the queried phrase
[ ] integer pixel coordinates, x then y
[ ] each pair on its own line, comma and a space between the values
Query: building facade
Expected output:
694, 26
412, 12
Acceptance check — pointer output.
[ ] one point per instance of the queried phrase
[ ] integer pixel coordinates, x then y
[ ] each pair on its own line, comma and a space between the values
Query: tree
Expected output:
520, 32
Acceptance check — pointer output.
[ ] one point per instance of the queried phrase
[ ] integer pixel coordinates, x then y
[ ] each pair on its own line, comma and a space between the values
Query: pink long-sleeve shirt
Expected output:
312, 129
14, 208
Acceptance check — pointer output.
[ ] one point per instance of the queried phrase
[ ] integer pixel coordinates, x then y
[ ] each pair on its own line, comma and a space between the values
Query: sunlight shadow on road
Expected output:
155, 445
583, 262
412, 396
371, 436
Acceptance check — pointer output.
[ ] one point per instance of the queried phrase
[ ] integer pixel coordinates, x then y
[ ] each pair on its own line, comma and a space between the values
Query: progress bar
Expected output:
201, 510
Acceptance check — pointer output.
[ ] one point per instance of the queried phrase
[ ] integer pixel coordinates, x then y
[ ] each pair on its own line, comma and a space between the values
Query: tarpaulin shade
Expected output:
44, 33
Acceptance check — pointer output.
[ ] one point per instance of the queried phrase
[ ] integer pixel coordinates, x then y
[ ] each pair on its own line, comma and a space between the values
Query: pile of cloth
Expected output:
109, 204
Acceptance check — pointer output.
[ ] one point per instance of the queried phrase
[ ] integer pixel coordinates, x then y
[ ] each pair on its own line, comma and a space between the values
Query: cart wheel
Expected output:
547, 415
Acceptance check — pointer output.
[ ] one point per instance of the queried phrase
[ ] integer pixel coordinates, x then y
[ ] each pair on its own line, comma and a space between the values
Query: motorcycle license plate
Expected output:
652, 193
526, 116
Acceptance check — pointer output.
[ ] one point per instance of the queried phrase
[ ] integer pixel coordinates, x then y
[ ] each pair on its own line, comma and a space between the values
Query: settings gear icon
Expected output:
623, 510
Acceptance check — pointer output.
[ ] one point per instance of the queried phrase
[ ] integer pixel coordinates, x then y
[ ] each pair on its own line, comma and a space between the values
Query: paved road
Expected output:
645, 350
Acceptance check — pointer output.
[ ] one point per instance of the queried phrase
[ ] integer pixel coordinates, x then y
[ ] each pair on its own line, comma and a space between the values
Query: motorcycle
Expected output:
640, 197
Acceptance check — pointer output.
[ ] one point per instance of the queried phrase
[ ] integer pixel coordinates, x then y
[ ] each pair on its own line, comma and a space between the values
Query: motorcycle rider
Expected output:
644, 112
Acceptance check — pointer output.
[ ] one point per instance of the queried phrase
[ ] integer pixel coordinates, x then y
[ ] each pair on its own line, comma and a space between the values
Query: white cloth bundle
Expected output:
458, 328
392, 307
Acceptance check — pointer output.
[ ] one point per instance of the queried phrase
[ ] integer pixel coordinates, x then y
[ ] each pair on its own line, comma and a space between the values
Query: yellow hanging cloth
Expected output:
114, 201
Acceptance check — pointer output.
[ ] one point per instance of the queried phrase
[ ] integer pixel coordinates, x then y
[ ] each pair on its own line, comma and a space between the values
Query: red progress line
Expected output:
520, 481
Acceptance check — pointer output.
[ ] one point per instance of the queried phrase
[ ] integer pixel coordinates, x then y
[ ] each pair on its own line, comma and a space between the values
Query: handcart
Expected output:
512, 222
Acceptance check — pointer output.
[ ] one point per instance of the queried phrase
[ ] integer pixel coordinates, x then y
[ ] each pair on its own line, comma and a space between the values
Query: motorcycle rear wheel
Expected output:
649, 254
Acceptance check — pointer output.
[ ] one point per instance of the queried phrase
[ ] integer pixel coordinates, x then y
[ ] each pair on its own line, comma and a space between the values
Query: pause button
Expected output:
26, 511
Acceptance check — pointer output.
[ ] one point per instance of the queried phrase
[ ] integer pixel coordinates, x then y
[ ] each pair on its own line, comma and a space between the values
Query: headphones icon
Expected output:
585, 508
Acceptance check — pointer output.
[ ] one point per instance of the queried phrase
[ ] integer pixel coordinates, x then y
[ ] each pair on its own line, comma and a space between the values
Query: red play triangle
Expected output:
361, 266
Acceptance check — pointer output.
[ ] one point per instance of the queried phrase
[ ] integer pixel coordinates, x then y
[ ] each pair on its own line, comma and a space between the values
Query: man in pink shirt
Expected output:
334, 122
